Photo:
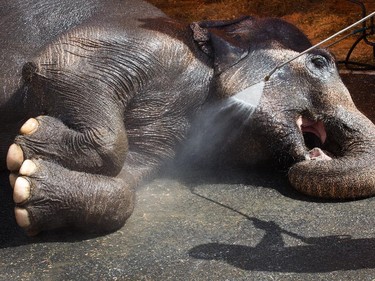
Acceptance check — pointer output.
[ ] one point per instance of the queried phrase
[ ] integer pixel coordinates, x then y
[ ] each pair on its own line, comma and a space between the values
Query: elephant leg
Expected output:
49, 196
99, 149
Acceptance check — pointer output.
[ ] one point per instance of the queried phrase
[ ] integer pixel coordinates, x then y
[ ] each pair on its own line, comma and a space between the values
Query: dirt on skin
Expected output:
317, 18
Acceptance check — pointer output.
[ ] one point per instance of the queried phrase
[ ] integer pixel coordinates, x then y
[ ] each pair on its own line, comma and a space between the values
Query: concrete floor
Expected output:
232, 225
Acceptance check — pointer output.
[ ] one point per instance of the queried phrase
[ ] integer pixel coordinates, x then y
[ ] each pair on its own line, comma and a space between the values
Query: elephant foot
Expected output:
20, 181
21, 184
49, 196
15, 155
40, 200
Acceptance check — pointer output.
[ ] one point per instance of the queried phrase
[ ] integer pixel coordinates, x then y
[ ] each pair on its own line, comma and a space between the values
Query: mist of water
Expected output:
251, 95
219, 123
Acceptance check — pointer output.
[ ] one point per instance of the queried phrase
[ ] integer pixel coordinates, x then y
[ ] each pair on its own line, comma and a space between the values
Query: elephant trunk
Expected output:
351, 171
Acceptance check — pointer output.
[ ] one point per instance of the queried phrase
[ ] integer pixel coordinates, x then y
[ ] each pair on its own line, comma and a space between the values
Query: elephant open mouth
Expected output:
315, 136
349, 139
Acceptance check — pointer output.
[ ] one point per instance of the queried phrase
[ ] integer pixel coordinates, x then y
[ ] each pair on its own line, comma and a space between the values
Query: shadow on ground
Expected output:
10, 234
317, 254
311, 255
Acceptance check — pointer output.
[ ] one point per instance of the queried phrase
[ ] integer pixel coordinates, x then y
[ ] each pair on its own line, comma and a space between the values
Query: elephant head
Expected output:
306, 120
312, 122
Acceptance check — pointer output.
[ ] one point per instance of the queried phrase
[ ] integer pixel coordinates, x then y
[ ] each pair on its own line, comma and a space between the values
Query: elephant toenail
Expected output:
21, 191
22, 217
14, 157
28, 168
29, 127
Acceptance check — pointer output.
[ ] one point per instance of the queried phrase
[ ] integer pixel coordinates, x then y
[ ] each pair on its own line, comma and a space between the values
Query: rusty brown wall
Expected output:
317, 18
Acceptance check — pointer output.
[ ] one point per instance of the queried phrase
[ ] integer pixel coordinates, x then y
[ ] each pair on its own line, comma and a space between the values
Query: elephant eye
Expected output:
319, 61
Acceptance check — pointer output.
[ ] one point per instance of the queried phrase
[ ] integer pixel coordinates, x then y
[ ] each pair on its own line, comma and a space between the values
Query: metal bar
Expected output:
268, 76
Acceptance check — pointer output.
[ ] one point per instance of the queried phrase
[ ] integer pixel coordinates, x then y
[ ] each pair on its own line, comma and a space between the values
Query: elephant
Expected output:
97, 96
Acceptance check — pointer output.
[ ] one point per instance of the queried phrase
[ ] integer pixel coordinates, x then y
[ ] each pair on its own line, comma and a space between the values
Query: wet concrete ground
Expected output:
231, 225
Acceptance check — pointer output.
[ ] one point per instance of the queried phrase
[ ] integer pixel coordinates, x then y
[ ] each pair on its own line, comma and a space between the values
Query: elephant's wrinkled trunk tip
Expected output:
332, 180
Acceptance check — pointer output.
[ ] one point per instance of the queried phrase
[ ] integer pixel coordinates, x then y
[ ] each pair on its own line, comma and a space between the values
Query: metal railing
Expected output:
367, 30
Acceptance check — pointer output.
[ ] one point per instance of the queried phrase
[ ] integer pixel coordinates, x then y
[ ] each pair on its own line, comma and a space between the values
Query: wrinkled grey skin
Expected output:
114, 86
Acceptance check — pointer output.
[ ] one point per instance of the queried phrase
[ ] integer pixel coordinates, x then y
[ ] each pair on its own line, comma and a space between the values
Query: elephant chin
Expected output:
349, 175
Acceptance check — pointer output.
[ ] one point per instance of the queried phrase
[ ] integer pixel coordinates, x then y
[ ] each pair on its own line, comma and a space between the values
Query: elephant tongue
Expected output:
315, 127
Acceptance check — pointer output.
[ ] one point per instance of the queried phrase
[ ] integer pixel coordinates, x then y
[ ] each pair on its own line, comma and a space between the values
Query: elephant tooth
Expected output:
317, 154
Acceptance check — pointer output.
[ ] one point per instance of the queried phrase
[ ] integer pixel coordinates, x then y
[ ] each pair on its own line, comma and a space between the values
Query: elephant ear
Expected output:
225, 41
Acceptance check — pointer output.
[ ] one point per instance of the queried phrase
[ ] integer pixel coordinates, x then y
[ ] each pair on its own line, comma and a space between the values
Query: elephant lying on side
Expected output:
96, 95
